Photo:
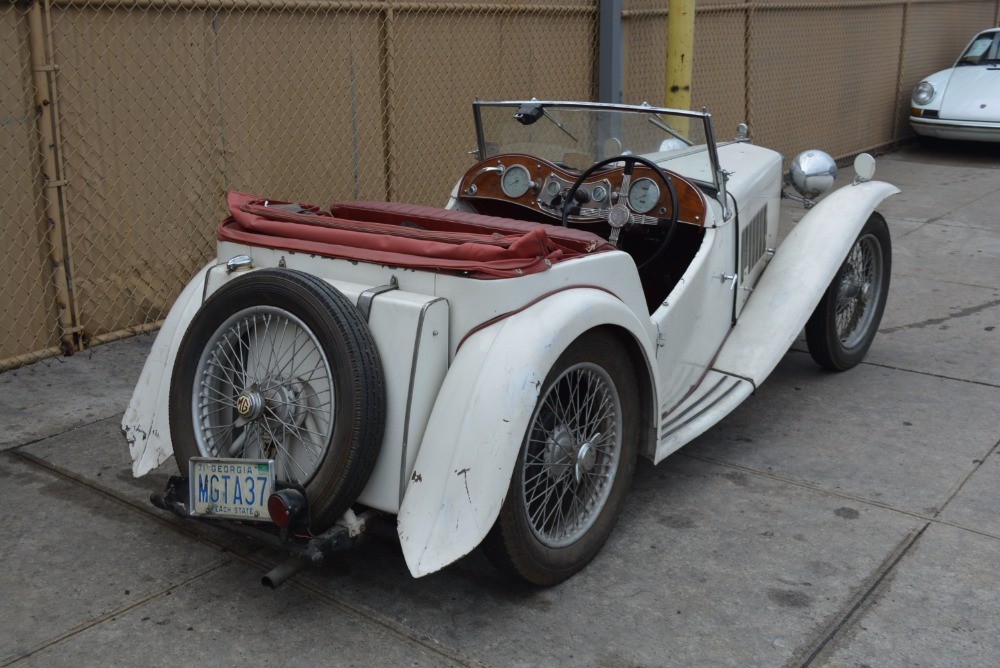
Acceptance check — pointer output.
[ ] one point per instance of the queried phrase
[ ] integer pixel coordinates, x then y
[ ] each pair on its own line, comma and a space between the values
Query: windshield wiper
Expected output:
660, 123
559, 125
527, 114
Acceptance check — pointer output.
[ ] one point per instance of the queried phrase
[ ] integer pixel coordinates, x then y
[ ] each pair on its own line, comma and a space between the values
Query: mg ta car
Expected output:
604, 283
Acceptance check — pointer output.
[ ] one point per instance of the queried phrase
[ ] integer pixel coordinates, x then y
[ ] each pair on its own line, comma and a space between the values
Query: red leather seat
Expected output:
430, 218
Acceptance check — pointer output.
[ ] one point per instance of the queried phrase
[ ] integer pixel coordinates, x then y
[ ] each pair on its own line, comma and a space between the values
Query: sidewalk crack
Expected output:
111, 614
857, 607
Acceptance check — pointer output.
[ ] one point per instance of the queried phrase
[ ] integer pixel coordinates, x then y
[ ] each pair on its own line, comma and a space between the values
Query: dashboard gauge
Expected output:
515, 181
643, 195
553, 188
599, 193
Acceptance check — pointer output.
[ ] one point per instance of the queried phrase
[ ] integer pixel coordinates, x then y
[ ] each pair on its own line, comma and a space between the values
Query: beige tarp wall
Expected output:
163, 105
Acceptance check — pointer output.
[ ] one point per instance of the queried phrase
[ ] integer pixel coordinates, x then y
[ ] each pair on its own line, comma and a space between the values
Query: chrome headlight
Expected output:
812, 173
923, 93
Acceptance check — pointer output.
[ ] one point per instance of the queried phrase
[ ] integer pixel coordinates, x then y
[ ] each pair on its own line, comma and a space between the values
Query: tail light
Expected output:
287, 508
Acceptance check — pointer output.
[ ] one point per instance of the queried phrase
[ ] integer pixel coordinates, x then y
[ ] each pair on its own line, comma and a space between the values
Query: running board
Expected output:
717, 396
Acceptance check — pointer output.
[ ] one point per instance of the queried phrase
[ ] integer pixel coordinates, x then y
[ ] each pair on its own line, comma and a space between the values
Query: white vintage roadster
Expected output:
605, 282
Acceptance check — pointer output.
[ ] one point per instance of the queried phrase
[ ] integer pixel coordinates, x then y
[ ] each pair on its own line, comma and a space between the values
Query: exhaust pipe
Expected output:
280, 574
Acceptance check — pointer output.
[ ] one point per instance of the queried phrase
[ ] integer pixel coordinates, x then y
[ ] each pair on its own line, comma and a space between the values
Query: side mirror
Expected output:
812, 173
864, 167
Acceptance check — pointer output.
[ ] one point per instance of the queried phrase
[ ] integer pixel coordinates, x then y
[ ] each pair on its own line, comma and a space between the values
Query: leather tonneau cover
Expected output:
406, 235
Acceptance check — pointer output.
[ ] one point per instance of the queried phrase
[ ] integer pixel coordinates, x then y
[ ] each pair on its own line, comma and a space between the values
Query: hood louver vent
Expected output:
753, 242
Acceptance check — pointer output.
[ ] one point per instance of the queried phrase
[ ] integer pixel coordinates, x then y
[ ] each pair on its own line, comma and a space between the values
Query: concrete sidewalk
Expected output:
833, 519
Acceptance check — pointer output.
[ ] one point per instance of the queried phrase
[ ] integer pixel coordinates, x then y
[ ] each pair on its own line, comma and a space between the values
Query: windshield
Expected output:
576, 135
982, 51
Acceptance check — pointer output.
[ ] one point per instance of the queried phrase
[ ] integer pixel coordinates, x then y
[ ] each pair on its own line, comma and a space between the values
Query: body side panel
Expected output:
695, 318
411, 334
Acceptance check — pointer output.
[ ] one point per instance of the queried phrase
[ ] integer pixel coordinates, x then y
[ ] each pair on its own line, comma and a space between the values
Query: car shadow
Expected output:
959, 153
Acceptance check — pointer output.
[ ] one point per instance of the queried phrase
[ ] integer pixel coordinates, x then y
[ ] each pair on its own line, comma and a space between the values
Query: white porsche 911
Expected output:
962, 102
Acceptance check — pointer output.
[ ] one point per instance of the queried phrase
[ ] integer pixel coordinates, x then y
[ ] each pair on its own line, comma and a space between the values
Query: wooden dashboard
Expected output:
540, 186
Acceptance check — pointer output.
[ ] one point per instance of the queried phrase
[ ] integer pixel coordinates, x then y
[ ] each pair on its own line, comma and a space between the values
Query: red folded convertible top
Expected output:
406, 235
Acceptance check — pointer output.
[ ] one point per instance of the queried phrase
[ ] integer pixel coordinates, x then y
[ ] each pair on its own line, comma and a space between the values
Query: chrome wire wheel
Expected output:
574, 465
571, 454
263, 389
841, 329
859, 290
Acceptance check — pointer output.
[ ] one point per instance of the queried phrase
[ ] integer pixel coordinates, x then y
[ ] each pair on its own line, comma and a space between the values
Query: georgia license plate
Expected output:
231, 488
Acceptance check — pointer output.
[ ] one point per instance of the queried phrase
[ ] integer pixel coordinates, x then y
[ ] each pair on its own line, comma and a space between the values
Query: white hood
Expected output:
973, 94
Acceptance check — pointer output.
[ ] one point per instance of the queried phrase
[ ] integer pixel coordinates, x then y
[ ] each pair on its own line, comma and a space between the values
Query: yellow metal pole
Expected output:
680, 49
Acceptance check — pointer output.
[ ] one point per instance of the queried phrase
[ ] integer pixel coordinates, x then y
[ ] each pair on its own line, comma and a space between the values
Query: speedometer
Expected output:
515, 181
643, 195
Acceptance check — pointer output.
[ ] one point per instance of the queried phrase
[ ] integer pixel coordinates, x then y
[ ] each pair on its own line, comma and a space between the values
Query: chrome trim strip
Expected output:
736, 375
204, 285
954, 123
409, 397
592, 105
366, 298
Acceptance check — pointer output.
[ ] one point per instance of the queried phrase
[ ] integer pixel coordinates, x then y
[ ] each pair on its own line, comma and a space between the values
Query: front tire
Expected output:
843, 326
279, 365
574, 466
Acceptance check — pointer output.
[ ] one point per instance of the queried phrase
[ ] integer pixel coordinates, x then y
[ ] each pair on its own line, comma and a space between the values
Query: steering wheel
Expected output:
619, 216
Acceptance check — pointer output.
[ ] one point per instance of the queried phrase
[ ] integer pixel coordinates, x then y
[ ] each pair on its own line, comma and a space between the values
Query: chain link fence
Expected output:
125, 122
835, 75
27, 296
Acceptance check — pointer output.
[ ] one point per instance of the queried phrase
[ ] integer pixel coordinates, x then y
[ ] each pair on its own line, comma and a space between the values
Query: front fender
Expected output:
145, 423
796, 278
470, 446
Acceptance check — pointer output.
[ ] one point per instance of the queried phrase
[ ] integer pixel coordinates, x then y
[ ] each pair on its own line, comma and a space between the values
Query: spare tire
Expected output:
279, 365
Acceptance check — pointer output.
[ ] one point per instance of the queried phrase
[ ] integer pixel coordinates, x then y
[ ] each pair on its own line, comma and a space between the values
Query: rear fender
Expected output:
145, 423
467, 455
795, 280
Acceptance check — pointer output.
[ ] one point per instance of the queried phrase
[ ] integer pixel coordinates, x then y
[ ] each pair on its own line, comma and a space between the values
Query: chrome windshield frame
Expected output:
719, 176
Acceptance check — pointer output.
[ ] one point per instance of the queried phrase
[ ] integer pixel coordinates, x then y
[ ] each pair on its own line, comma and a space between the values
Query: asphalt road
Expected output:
832, 520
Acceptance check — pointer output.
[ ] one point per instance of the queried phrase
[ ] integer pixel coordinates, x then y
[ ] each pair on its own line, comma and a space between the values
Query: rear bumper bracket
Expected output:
304, 552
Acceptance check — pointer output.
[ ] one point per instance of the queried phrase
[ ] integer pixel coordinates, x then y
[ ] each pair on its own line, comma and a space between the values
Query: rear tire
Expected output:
574, 466
279, 365
843, 326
